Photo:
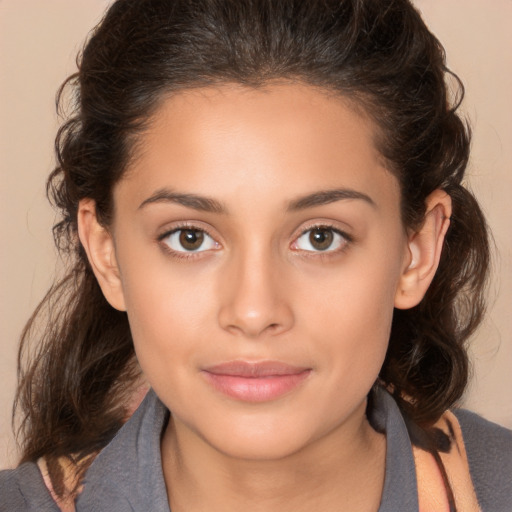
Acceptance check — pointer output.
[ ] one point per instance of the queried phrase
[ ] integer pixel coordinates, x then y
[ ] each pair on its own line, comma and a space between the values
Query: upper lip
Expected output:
251, 369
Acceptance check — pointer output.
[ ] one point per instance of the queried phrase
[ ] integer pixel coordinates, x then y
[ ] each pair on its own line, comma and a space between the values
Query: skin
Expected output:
258, 290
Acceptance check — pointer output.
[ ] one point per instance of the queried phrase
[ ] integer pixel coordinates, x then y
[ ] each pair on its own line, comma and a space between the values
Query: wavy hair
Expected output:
380, 54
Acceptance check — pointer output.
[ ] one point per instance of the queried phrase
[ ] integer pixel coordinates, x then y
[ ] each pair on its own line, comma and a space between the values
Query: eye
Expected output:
321, 239
189, 240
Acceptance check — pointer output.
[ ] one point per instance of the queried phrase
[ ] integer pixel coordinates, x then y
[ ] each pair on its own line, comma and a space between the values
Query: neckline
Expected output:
129, 468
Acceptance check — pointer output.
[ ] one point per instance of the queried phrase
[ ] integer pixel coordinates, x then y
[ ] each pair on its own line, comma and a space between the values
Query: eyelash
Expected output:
188, 255
183, 255
347, 240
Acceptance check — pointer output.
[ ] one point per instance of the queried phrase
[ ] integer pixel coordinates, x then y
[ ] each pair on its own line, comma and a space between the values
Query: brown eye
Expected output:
321, 238
191, 239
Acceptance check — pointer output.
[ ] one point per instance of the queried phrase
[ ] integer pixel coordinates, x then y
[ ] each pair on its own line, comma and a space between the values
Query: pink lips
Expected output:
255, 382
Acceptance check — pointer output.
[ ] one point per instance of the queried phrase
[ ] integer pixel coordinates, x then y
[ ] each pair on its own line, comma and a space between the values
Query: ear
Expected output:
424, 248
99, 247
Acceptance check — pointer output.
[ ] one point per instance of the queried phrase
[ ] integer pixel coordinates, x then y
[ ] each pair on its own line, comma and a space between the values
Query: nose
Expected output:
254, 297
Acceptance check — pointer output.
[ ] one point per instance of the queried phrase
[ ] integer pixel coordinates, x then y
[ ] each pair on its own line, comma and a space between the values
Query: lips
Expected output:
255, 382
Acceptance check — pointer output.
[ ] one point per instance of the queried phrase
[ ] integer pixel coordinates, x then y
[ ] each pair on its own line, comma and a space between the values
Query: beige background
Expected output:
38, 43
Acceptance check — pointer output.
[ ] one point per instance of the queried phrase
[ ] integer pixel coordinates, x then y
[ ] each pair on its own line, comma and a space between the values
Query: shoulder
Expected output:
23, 489
489, 451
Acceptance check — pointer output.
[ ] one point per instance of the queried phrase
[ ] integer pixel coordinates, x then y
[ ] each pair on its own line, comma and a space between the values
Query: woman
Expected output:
263, 210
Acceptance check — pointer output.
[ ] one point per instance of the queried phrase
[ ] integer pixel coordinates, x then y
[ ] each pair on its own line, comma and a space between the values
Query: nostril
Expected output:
253, 308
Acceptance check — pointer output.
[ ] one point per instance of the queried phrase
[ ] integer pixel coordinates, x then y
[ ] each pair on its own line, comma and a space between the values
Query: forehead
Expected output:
301, 112
287, 137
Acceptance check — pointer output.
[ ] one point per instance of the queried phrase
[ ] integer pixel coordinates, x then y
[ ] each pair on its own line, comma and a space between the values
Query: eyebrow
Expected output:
207, 204
204, 204
326, 197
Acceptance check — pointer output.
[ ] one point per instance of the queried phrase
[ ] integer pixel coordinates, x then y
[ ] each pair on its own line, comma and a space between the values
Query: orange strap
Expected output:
66, 503
431, 490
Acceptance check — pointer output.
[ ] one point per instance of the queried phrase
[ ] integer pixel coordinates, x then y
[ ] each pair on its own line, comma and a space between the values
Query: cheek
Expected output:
167, 311
354, 306
352, 332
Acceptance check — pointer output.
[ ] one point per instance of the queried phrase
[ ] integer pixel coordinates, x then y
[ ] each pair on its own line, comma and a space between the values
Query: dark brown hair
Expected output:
378, 53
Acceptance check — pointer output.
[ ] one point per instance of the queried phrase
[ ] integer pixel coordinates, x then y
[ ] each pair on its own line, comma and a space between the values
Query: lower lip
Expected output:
256, 389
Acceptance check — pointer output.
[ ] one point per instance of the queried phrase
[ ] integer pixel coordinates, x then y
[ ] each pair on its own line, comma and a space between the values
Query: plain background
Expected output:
38, 44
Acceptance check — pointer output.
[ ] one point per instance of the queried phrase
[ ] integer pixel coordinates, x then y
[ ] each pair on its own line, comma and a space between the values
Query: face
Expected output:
260, 248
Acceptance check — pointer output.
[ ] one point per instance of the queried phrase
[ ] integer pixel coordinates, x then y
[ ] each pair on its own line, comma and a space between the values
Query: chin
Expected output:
265, 438
261, 448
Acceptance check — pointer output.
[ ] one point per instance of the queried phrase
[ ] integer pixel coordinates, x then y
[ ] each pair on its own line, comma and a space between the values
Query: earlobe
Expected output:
99, 247
424, 246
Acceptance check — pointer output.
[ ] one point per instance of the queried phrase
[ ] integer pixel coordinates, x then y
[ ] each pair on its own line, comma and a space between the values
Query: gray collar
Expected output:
127, 475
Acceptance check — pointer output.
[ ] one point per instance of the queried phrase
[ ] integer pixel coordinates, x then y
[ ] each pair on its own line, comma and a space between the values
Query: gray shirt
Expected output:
127, 475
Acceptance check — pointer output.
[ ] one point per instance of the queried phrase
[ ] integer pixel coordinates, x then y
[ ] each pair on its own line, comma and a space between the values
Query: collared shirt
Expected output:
127, 475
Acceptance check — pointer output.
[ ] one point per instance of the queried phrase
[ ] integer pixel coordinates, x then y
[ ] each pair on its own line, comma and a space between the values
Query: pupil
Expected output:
191, 239
321, 239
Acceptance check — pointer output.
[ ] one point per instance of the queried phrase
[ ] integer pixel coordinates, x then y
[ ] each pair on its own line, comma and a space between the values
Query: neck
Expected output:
343, 470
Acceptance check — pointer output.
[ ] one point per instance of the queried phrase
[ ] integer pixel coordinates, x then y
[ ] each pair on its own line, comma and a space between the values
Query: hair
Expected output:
73, 388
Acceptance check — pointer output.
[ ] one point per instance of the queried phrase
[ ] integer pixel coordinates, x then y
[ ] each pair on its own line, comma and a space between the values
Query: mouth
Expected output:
255, 381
